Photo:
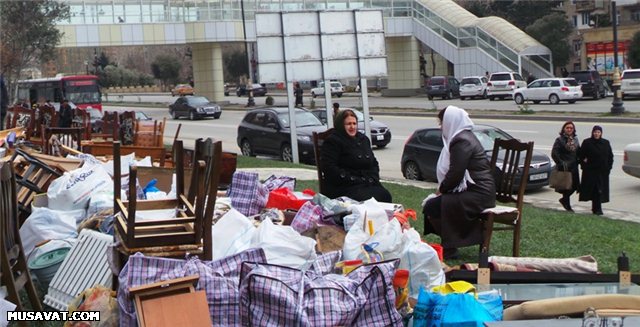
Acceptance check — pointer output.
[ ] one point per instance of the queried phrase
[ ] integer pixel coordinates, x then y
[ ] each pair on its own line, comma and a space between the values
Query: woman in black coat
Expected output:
349, 166
565, 154
466, 185
596, 160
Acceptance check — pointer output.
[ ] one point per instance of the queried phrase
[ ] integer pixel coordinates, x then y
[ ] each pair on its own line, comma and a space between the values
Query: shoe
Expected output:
565, 205
450, 254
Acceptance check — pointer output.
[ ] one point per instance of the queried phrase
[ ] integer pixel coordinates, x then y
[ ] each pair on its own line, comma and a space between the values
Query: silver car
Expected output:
473, 87
631, 164
553, 90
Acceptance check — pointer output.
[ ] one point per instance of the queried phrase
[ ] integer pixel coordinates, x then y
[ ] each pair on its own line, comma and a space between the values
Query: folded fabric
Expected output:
584, 264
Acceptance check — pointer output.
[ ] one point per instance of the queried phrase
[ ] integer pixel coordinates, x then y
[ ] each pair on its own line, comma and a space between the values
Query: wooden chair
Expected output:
513, 168
209, 152
318, 138
81, 118
15, 272
127, 127
172, 237
19, 116
54, 137
46, 117
148, 134
109, 128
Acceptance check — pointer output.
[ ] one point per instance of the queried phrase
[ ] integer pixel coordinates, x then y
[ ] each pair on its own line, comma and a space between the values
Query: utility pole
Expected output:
249, 85
617, 107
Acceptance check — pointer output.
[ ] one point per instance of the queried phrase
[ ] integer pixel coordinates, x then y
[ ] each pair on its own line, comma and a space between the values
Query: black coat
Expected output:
65, 116
460, 224
563, 157
350, 168
596, 160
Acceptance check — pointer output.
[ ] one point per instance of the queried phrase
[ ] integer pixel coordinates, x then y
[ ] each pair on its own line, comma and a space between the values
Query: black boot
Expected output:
566, 204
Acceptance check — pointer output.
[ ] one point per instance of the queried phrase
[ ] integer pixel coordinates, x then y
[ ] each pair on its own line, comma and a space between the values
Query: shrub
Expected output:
269, 101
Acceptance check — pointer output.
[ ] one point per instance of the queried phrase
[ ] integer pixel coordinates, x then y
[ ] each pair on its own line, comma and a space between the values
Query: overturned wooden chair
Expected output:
54, 138
15, 272
317, 139
171, 237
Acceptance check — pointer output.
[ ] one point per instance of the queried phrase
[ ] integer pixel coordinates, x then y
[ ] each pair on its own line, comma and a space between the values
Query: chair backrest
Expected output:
9, 206
22, 117
318, 139
127, 127
516, 159
82, 118
53, 137
110, 128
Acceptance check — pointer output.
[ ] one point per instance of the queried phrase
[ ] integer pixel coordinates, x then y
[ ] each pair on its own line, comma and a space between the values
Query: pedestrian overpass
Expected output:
472, 44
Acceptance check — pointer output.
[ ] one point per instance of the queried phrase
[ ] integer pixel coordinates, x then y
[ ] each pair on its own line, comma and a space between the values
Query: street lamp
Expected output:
617, 107
249, 86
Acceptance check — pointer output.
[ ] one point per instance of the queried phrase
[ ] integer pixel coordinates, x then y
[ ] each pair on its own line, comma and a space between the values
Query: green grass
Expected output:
546, 233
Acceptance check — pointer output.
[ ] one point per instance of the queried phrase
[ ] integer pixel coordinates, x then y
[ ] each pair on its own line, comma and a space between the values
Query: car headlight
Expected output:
200, 109
304, 138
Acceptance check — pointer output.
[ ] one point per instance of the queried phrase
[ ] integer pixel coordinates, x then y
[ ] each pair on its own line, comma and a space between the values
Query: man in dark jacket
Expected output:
65, 114
596, 159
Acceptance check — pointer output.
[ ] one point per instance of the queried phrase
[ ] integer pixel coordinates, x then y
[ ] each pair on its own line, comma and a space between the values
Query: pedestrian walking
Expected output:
65, 115
596, 159
297, 92
565, 154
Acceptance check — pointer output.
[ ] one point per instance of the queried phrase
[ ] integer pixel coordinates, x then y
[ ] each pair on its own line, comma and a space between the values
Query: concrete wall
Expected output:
403, 66
207, 70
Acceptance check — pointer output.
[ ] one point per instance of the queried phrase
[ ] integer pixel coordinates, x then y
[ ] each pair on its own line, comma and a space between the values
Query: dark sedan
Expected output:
265, 131
422, 149
380, 132
194, 107
259, 90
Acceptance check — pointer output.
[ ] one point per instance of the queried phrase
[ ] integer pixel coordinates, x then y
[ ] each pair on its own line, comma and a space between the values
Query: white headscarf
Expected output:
455, 120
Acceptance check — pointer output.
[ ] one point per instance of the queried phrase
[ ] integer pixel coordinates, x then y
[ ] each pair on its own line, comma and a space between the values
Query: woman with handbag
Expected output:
596, 160
565, 154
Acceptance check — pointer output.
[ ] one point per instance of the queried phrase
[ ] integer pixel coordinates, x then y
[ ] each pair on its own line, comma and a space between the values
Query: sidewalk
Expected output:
579, 207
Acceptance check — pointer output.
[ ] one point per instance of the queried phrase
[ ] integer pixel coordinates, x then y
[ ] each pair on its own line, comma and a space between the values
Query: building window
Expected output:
635, 15
575, 21
585, 18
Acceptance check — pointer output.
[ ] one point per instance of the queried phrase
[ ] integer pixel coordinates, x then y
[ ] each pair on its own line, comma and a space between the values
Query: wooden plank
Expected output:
185, 309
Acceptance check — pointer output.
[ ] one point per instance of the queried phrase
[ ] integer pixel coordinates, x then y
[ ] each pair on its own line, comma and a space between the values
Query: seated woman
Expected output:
465, 185
349, 166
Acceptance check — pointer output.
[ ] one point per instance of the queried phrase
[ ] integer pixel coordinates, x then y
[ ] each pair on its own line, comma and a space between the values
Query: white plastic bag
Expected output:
284, 246
231, 234
387, 240
422, 262
46, 224
373, 210
73, 189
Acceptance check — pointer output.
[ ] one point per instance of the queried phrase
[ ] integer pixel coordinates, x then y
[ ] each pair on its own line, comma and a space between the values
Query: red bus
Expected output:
81, 90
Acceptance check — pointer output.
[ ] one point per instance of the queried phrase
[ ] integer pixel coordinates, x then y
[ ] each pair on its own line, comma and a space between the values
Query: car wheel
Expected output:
519, 99
536, 101
339, 95
462, 98
217, 116
192, 115
381, 146
174, 114
313, 95
596, 95
554, 99
449, 95
491, 98
484, 94
411, 171
245, 148
285, 153
430, 97
572, 101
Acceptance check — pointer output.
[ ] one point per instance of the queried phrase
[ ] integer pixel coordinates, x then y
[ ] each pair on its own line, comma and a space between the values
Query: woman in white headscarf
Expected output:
465, 185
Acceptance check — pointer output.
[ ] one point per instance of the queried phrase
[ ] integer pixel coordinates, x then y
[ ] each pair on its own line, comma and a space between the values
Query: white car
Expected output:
502, 84
630, 83
631, 164
473, 86
553, 90
336, 89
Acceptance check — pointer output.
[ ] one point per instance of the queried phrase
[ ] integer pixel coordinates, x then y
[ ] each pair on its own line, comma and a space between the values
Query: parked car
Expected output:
446, 87
259, 90
553, 90
182, 89
142, 116
502, 84
380, 132
423, 147
591, 82
336, 89
95, 118
265, 131
473, 87
194, 107
631, 163
630, 83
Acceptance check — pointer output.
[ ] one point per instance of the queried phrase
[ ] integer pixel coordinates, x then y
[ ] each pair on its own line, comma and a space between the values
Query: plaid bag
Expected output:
219, 279
273, 295
247, 194
274, 182
307, 217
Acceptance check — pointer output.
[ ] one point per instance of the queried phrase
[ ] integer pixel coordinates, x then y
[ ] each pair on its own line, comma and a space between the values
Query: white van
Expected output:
336, 89
630, 83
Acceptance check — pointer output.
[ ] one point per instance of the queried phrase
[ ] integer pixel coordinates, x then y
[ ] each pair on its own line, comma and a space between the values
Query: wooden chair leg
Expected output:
516, 241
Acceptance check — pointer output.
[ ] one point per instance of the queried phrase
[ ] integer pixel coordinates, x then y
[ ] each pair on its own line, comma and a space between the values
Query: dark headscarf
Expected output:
596, 128
338, 122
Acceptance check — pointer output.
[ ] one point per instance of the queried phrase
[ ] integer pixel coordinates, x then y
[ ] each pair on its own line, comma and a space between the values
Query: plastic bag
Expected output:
231, 234
387, 240
247, 194
97, 298
276, 182
307, 217
284, 246
451, 310
46, 224
422, 262
283, 198
73, 189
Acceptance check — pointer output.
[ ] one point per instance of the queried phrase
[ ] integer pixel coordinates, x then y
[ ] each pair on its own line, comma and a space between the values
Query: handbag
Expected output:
561, 180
